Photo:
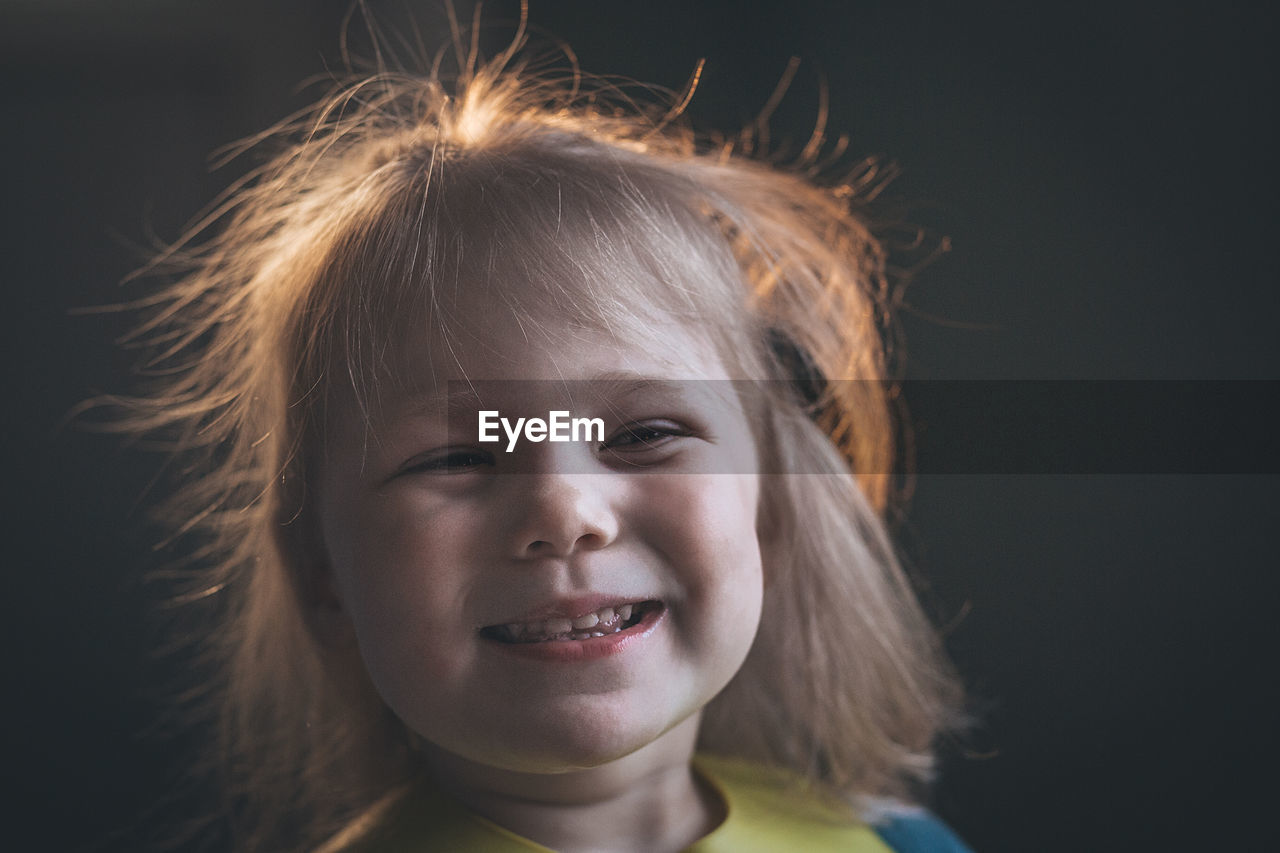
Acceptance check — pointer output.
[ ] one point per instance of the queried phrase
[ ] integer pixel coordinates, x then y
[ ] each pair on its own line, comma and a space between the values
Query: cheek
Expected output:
402, 583
710, 538
386, 546
717, 515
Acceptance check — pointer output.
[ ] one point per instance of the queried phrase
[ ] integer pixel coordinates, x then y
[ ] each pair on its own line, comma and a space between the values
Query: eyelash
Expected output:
633, 438
644, 435
446, 463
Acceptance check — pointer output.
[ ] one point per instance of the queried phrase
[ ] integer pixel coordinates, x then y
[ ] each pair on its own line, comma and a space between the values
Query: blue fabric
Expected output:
919, 832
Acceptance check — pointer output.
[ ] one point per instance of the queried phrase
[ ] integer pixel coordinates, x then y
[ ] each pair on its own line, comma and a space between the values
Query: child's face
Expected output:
458, 563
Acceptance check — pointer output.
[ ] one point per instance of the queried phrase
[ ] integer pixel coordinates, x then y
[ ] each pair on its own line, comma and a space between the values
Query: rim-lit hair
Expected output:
387, 197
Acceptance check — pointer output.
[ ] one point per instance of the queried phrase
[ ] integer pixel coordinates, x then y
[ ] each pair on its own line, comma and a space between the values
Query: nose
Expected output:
559, 514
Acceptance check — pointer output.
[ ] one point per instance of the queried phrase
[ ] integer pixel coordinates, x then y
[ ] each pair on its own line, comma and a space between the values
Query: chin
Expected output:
585, 750
574, 742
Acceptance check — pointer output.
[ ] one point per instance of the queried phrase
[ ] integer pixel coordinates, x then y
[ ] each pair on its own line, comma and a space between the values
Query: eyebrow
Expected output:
461, 398
617, 384
464, 397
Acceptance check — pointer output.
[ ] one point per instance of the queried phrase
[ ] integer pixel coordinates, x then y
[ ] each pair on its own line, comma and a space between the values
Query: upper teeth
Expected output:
606, 620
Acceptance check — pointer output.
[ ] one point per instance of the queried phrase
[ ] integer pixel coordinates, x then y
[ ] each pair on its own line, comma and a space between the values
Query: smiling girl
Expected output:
692, 634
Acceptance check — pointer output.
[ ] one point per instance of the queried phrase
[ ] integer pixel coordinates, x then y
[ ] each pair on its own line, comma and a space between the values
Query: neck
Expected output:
649, 800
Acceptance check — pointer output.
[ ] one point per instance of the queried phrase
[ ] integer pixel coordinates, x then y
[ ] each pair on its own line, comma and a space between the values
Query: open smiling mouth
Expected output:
604, 622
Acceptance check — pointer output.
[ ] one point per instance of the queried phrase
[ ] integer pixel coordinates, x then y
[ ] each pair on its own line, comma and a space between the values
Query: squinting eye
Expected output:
648, 435
449, 462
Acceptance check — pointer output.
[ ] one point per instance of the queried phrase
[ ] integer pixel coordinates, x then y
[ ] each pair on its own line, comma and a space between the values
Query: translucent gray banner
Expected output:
940, 427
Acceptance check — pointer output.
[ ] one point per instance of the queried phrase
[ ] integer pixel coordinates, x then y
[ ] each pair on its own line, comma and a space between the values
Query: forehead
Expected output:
505, 343
501, 356
513, 273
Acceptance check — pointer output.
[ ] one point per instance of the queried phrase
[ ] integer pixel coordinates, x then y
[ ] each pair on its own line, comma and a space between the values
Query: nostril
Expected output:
548, 548
560, 516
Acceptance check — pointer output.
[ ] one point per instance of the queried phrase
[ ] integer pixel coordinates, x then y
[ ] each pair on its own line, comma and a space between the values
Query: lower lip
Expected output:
571, 651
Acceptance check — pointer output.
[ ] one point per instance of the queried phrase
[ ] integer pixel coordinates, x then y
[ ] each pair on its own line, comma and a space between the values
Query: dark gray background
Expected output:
1107, 177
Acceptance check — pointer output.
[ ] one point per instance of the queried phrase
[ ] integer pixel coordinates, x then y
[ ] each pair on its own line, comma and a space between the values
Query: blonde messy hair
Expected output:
393, 190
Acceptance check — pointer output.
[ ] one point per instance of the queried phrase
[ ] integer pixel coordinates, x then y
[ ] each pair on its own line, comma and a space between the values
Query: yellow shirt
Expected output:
763, 813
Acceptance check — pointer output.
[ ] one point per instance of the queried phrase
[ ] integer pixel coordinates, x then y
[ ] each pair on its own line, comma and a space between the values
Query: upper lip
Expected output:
572, 607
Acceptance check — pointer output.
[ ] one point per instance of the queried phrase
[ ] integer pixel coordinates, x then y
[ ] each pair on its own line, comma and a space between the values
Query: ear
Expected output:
327, 615
768, 524
306, 560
